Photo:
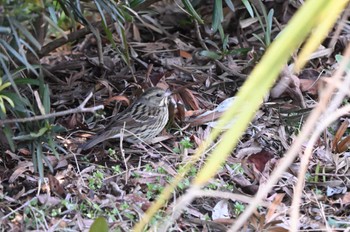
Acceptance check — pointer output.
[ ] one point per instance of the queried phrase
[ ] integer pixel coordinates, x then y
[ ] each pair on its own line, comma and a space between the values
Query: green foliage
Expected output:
266, 26
99, 225
237, 168
192, 11
238, 208
218, 15
22, 97
153, 189
116, 169
20, 50
184, 184
249, 7
339, 59
186, 143
4, 98
96, 181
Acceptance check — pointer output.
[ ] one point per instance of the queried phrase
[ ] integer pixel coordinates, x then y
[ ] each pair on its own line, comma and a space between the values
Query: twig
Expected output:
19, 208
71, 37
81, 108
196, 192
330, 115
288, 159
199, 36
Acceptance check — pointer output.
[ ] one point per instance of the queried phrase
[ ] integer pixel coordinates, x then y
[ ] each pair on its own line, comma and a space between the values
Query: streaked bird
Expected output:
141, 121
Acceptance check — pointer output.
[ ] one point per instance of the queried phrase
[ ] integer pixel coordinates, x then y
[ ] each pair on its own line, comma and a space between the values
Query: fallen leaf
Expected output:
260, 159
273, 207
221, 210
120, 98
56, 187
185, 54
189, 99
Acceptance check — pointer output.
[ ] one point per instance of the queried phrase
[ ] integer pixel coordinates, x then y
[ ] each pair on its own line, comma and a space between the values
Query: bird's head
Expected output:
155, 96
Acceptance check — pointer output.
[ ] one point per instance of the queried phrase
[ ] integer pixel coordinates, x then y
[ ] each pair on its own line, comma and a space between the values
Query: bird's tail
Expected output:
92, 142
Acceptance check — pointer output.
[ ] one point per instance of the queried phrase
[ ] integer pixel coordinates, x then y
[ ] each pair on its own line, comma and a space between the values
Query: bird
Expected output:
143, 120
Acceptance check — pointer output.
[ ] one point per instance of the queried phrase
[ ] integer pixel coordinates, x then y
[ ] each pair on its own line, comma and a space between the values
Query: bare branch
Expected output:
81, 108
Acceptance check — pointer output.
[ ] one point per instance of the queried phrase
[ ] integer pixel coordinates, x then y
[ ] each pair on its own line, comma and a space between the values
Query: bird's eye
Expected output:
158, 94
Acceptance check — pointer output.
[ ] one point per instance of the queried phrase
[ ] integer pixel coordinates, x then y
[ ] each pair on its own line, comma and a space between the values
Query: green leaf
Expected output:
53, 16
258, 38
27, 45
136, 3
46, 99
218, 15
192, 11
27, 34
4, 86
19, 103
31, 136
230, 5
39, 156
54, 25
99, 225
239, 51
339, 59
248, 7
52, 144
108, 7
41, 132
101, 11
210, 54
269, 27
9, 135
2, 106
124, 11
18, 56
225, 43
25, 81
8, 100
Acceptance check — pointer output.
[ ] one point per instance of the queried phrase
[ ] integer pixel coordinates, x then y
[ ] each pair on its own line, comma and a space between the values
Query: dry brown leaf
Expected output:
185, 54
136, 33
48, 200
346, 198
343, 145
171, 109
273, 207
189, 99
196, 140
120, 98
56, 187
21, 169
73, 121
24, 152
260, 159
288, 84
193, 113
338, 135
181, 112
309, 86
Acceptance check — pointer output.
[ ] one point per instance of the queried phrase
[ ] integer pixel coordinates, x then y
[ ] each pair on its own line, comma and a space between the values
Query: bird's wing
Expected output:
135, 114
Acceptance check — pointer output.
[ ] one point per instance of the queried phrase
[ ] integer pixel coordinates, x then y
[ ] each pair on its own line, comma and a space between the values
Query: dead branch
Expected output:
81, 108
